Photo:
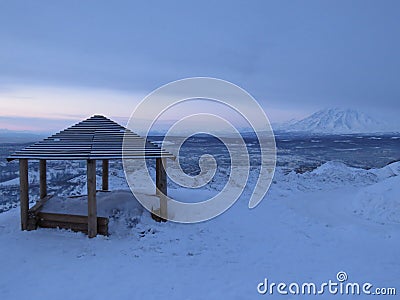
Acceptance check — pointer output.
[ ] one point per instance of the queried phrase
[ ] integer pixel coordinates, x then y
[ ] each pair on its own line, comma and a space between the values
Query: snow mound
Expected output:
380, 202
330, 175
10, 182
332, 167
390, 170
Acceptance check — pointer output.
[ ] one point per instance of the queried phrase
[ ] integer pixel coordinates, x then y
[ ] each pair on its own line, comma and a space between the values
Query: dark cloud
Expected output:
290, 54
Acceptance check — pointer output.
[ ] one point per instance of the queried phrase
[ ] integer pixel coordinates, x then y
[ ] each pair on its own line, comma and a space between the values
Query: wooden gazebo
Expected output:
97, 138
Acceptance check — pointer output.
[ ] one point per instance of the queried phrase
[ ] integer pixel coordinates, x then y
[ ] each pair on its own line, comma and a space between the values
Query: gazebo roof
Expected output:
95, 138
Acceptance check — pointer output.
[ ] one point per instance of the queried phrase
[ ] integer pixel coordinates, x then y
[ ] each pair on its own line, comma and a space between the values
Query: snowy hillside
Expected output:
336, 121
309, 227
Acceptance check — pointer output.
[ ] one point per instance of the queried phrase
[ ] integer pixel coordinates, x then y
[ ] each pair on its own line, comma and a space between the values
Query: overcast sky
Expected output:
65, 60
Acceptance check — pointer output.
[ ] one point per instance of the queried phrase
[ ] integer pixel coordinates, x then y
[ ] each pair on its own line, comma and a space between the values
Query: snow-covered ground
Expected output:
308, 228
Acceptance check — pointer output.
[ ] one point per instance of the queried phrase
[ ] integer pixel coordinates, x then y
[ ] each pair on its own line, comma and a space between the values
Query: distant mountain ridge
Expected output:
326, 121
336, 121
14, 136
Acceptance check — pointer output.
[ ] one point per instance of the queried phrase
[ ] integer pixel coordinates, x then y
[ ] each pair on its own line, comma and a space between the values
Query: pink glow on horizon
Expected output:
49, 109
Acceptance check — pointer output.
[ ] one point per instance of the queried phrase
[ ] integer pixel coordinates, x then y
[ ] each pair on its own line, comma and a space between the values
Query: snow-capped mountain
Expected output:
334, 121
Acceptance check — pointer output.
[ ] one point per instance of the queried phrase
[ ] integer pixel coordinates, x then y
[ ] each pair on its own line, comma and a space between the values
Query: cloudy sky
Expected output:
61, 61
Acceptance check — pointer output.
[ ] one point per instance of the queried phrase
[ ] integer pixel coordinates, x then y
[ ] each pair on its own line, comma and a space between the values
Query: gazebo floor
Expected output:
78, 223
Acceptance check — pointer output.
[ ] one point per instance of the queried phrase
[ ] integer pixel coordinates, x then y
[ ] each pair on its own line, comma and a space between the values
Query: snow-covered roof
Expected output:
95, 138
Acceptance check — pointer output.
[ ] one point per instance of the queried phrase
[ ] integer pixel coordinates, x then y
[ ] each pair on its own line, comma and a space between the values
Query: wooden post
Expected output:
105, 175
43, 178
161, 176
161, 186
24, 192
92, 205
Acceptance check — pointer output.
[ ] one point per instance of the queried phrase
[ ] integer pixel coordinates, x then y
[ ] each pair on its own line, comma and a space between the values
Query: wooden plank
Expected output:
39, 204
68, 218
46, 157
105, 175
92, 205
13, 157
77, 153
43, 178
89, 147
72, 144
49, 222
24, 192
32, 212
